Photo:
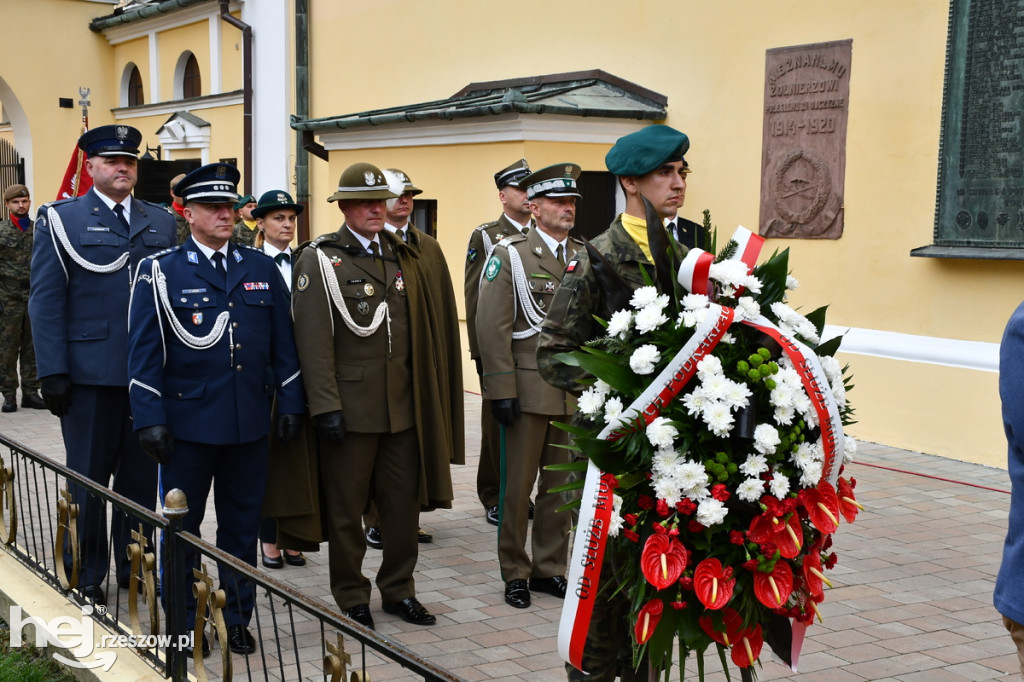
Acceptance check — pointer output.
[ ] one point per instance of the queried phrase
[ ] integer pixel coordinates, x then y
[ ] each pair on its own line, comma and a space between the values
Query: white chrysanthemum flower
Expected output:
755, 465
737, 395
802, 404
807, 331
750, 490
811, 475
752, 284
804, 456
747, 309
612, 409
643, 297
714, 385
779, 485
711, 512
727, 291
681, 319
731, 273
664, 462
661, 433
602, 387
833, 370
616, 522
766, 438
728, 338
590, 402
709, 364
644, 358
839, 393
695, 401
849, 448
792, 282
649, 318
666, 488
719, 418
618, 325
692, 478
784, 415
695, 301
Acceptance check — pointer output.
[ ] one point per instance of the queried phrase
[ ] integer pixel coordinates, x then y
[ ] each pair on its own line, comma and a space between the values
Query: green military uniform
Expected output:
481, 243
182, 231
15, 330
524, 264
244, 234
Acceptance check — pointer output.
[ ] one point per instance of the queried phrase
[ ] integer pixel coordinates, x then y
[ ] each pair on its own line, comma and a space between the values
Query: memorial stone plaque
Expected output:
980, 200
803, 143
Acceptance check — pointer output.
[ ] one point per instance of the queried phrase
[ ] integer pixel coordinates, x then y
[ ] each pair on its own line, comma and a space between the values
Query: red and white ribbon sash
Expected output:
749, 247
693, 272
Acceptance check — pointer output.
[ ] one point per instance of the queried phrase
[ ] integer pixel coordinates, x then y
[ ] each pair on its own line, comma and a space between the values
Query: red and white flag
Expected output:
76, 181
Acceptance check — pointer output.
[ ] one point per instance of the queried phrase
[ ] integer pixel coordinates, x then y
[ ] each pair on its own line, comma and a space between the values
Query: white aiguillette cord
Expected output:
534, 313
331, 283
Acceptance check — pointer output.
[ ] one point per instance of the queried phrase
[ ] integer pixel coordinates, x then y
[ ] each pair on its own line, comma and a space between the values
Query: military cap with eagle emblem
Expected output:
213, 183
400, 182
112, 140
511, 175
275, 199
362, 181
558, 180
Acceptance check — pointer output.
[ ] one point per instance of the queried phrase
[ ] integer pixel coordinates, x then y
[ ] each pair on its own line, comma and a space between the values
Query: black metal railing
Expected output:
53, 520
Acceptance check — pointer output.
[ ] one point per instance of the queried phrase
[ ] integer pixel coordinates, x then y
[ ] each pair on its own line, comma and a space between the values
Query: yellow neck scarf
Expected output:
637, 229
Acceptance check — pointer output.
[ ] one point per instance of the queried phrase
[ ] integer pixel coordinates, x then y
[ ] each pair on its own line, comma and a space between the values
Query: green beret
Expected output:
646, 150
242, 201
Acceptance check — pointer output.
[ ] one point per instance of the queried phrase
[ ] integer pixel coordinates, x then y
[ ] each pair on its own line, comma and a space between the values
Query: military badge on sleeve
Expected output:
471, 256
493, 266
302, 283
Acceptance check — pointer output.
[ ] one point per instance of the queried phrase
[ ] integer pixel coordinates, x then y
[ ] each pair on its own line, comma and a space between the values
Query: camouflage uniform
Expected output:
182, 231
243, 235
15, 331
570, 324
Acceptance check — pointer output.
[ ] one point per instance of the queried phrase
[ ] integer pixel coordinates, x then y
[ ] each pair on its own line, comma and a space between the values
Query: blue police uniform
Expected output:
82, 264
198, 351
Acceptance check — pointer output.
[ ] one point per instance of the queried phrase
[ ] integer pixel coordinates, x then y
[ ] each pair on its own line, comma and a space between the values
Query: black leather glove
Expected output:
479, 367
506, 411
56, 390
156, 442
288, 426
331, 426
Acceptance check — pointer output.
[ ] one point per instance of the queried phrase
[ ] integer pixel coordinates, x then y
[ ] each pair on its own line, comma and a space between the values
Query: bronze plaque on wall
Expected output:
803, 143
980, 198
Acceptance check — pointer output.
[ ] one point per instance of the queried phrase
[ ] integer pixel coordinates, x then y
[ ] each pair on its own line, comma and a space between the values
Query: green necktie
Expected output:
375, 250
560, 255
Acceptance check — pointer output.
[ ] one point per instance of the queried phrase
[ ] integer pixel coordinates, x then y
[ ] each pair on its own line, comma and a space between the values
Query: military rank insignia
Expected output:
471, 256
493, 266
197, 319
193, 257
399, 282
302, 283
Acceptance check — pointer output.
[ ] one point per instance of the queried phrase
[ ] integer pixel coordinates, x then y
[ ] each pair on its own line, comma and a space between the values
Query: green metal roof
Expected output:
139, 11
581, 93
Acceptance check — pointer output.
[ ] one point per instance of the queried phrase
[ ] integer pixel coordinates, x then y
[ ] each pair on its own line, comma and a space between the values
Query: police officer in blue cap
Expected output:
85, 253
207, 319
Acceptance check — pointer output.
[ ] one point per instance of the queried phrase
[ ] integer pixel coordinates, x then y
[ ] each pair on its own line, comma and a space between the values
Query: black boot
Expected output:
10, 403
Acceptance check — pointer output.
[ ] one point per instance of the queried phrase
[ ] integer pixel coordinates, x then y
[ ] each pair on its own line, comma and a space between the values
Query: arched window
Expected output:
135, 96
191, 80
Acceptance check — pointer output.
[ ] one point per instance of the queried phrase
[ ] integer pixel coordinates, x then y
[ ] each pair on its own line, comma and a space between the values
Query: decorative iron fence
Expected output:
12, 171
56, 522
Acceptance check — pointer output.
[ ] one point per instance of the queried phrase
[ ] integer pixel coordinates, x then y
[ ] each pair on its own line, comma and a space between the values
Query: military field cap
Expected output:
554, 181
362, 181
15, 191
511, 175
399, 182
275, 199
646, 150
213, 183
113, 140
247, 199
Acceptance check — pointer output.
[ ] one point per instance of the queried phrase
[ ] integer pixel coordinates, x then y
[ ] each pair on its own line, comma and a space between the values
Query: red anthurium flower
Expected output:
814, 577
647, 620
822, 506
663, 560
791, 538
747, 647
848, 504
713, 584
773, 589
732, 622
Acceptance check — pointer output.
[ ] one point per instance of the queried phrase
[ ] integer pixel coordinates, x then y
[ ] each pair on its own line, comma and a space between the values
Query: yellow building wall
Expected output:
135, 52
172, 43
231, 55
709, 60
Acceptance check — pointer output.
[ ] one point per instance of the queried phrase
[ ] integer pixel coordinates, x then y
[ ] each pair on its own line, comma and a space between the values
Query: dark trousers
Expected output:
238, 475
101, 445
488, 471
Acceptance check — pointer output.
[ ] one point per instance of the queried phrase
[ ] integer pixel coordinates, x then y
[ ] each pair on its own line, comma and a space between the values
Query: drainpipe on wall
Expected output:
246, 30
302, 112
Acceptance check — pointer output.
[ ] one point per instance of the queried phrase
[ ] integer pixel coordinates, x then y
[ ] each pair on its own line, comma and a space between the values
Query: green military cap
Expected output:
247, 199
511, 175
646, 150
399, 182
274, 199
362, 181
558, 180
15, 191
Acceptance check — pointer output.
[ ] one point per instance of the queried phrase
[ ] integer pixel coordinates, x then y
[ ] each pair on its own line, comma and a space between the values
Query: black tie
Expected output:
405, 235
218, 264
560, 255
282, 258
375, 250
526, 230
119, 212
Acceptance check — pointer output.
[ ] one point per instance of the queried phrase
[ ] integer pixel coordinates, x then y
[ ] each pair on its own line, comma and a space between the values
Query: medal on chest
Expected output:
399, 282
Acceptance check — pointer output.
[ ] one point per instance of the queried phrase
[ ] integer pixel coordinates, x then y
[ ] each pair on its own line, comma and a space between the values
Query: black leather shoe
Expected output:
423, 536
517, 594
10, 404
206, 647
374, 538
240, 640
272, 562
555, 585
90, 594
294, 559
32, 401
492, 515
360, 613
410, 610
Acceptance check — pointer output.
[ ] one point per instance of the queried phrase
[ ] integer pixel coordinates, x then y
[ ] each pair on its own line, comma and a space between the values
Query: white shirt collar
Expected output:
110, 203
364, 241
552, 242
208, 252
520, 226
